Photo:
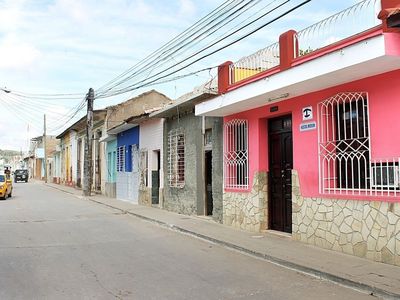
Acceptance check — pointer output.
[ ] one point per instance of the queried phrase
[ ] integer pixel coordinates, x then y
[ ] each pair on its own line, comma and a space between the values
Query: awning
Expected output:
108, 138
120, 128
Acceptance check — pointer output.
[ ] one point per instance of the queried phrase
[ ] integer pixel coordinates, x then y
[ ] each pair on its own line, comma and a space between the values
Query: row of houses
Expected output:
301, 138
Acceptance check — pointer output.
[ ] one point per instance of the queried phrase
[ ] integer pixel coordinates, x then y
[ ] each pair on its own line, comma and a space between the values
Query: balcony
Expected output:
348, 46
352, 21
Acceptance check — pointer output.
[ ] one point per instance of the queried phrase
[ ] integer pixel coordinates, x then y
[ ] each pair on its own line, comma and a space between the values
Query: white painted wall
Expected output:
127, 186
151, 139
74, 157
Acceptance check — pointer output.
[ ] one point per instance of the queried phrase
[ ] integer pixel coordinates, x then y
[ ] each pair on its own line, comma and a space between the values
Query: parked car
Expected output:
5, 186
21, 175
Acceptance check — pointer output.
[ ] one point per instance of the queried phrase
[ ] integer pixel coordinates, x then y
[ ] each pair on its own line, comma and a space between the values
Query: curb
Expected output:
368, 289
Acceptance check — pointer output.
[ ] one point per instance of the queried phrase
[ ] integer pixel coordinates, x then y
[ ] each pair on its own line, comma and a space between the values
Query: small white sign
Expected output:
308, 126
307, 113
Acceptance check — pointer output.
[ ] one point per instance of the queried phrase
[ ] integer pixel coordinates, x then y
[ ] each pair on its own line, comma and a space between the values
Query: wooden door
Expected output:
280, 165
208, 183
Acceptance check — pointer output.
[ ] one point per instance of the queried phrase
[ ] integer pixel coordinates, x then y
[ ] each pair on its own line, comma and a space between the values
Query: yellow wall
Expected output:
243, 73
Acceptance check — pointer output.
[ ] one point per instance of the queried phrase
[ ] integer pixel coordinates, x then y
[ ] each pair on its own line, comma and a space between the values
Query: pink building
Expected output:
312, 135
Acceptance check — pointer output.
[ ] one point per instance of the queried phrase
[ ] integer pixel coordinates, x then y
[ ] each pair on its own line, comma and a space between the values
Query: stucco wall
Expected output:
217, 166
191, 198
151, 139
135, 107
188, 199
383, 91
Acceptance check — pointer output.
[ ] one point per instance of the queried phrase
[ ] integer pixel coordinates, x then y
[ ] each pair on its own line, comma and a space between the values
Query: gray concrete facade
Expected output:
191, 198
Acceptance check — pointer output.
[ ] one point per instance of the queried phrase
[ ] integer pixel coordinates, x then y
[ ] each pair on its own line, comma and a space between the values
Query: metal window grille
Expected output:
143, 166
385, 177
176, 158
236, 165
135, 158
344, 143
345, 164
121, 159
251, 65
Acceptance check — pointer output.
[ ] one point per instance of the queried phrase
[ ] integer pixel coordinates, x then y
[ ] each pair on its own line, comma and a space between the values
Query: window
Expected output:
121, 159
385, 175
345, 164
176, 158
143, 167
236, 171
135, 158
344, 143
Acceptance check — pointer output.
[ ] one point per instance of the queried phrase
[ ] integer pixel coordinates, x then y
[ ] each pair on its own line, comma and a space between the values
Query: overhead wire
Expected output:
50, 108
230, 30
175, 40
28, 111
134, 86
196, 36
206, 26
12, 110
78, 109
169, 79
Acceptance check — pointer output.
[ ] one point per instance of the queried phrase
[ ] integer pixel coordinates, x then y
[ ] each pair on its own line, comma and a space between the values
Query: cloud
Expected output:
187, 8
10, 15
17, 54
58, 46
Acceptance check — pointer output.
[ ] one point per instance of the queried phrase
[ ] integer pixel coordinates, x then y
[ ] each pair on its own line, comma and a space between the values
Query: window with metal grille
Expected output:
176, 158
135, 158
236, 170
143, 167
344, 143
121, 159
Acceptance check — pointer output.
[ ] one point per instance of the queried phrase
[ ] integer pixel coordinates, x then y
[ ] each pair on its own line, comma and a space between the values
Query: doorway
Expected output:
78, 165
155, 179
208, 177
280, 173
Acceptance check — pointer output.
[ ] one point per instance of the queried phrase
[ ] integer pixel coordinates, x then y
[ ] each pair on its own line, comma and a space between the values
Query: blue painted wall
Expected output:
128, 138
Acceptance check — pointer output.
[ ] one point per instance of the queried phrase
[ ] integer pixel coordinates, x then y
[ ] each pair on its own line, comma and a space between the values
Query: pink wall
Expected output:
384, 110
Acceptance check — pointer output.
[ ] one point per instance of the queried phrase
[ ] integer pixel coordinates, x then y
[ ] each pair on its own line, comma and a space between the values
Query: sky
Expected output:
67, 46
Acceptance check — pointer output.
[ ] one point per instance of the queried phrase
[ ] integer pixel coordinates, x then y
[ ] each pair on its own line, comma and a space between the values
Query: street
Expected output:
54, 245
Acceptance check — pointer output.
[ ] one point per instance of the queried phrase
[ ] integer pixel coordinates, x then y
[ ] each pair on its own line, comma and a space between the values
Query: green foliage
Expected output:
7, 154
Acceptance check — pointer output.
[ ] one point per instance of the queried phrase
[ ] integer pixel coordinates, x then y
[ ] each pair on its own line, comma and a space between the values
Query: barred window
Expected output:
121, 159
135, 158
176, 158
345, 164
143, 167
236, 170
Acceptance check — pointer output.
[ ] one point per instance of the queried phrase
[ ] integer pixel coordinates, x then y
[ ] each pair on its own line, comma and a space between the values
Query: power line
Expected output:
174, 40
134, 86
198, 35
167, 80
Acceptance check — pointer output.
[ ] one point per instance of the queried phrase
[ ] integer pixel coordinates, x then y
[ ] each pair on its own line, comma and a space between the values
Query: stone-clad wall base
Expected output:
110, 189
369, 229
145, 196
248, 210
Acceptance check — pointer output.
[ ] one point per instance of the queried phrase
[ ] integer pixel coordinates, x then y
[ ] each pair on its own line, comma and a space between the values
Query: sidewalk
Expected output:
375, 278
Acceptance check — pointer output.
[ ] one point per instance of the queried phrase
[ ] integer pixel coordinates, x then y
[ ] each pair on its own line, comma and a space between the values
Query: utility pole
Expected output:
87, 164
44, 148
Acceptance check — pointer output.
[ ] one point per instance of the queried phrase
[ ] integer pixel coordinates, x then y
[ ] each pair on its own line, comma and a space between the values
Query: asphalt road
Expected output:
56, 246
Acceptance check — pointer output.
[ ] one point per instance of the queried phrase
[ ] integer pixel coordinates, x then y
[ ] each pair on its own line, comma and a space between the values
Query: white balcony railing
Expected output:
351, 21
260, 61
